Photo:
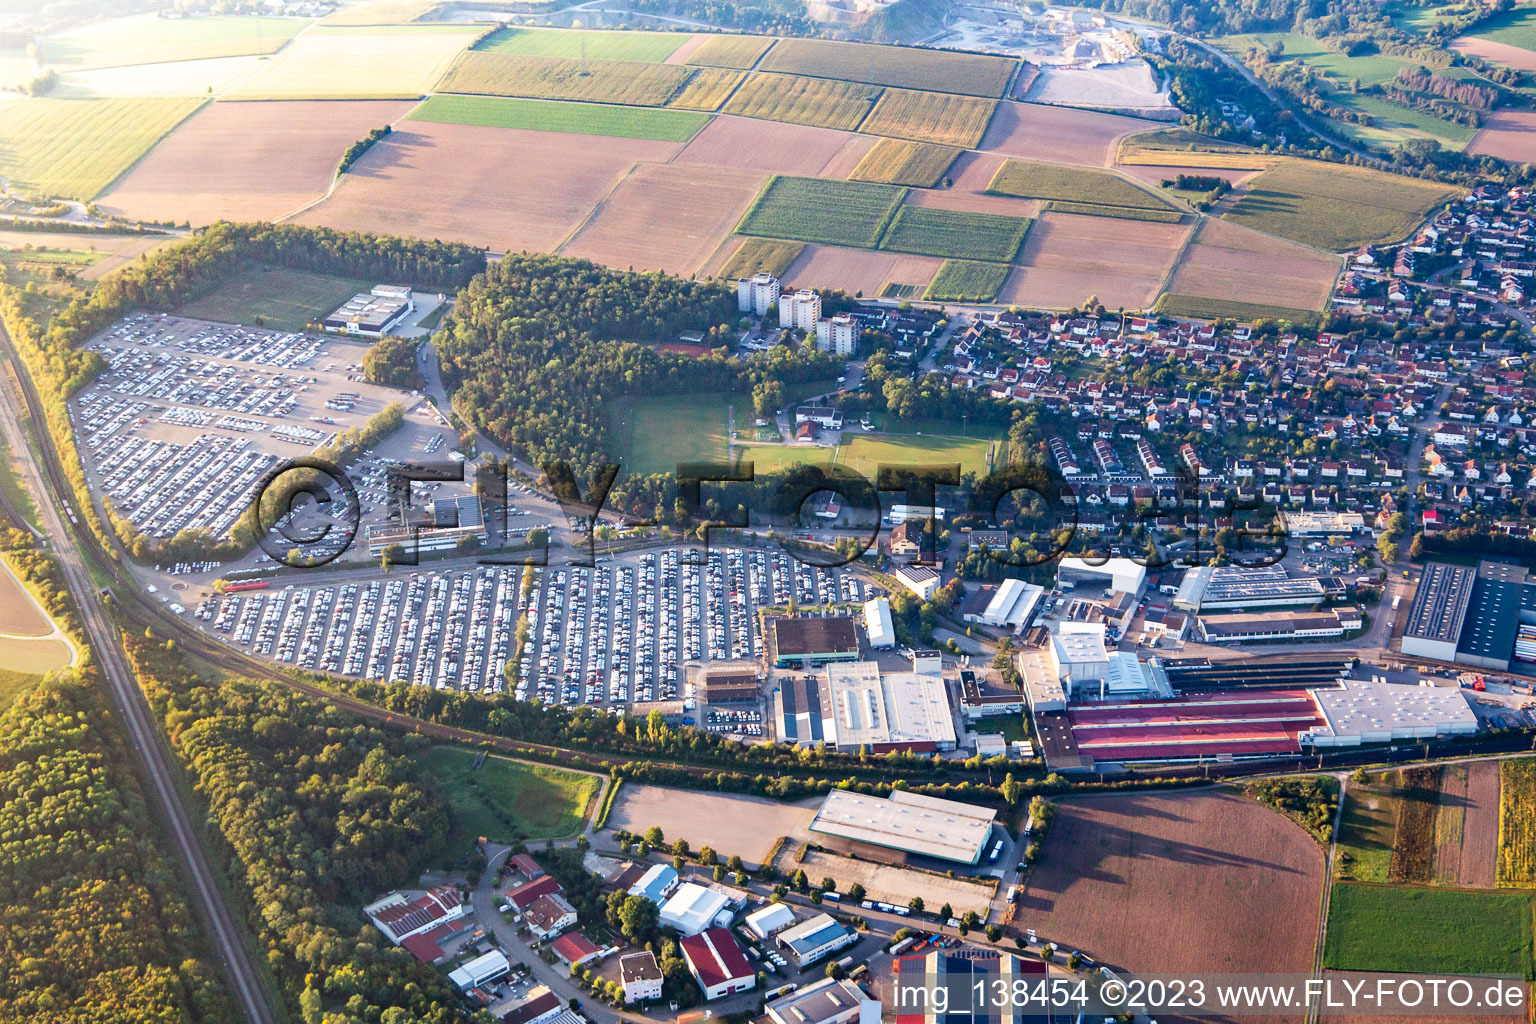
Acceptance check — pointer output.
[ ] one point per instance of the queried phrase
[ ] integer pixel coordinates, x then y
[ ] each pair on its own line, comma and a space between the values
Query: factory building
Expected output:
1328, 624
924, 825
1121, 574
1211, 588
829, 1001
811, 642
877, 623
693, 908
1439, 606
959, 974
883, 711
1078, 654
1375, 711
1484, 617
372, 313
815, 939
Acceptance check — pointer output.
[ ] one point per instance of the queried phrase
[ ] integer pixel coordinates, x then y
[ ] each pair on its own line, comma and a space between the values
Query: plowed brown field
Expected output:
1059, 134
1507, 134
1067, 258
1227, 260
775, 147
857, 270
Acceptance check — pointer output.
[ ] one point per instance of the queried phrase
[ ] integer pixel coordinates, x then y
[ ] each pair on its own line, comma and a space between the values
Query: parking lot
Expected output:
607, 636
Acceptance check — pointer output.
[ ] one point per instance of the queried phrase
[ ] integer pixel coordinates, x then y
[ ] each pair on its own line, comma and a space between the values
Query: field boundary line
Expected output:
203, 102
336, 174
598, 208
1178, 259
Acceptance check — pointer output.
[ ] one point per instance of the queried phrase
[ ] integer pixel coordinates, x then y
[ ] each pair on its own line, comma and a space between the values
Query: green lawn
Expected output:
151, 39
286, 300
585, 45
652, 435
1367, 831
557, 116
508, 800
1513, 28
1428, 931
865, 453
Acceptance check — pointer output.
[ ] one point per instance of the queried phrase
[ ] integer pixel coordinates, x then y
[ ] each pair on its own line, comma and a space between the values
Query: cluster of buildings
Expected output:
372, 314
799, 310
1483, 616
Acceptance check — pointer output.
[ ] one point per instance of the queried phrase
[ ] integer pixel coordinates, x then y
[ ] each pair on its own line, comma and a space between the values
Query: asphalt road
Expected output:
245, 983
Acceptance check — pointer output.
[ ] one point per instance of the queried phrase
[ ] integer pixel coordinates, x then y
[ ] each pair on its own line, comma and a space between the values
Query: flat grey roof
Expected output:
1440, 604
908, 821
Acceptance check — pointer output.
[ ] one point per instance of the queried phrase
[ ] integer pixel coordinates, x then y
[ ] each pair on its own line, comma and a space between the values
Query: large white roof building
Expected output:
926, 825
889, 710
1373, 711
694, 908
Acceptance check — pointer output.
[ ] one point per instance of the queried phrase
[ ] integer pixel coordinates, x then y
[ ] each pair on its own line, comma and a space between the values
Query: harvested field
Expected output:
1428, 931
1507, 134
891, 883
18, 611
383, 12
1467, 827
928, 231
758, 254
858, 271
689, 47
198, 78
902, 67
1067, 258
558, 116
730, 51
246, 161
151, 39
1417, 801
577, 44
818, 102
1517, 822
664, 217
76, 148
966, 281
118, 249
1333, 206
1059, 134
823, 210
505, 188
1498, 53
382, 61
747, 826
1034, 180
1226, 260
774, 147
553, 78
972, 202
930, 117
896, 162
707, 89
1122, 212
1169, 883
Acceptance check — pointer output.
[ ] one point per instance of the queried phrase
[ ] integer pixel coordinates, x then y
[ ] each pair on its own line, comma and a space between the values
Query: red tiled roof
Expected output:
574, 948
524, 895
715, 957
1241, 722
427, 947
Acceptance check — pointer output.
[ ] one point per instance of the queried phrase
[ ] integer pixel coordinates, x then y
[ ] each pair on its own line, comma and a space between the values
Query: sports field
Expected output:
866, 453
757, 254
652, 435
819, 210
506, 800
601, 81
929, 231
902, 67
284, 299
1032, 179
730, 51
818, 102
378, 61
902, 162
938, 117
76, 148
1428, 931
149, 39
557, 116
584, 45
966, 281
1334, 206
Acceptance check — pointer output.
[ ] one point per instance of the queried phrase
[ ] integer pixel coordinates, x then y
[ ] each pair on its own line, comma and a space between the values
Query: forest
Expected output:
316, 813
95, 926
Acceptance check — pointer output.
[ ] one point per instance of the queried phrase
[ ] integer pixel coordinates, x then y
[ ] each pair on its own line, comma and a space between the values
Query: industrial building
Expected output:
693, 908
829, 1001
1439, 606
656, 884
717, 963
1122, 574
919, 579
1328, 624
400, 917
480, 970
1376, 711
372, 314
770, 920
1212, 588
877, 623
967, 979
757, 294
811, 642
1010, 605
453, 521
728, 685
1475, 617
979, 700
884, 711
804, 713
922, 825
1225, 726
815, 939
1078, 654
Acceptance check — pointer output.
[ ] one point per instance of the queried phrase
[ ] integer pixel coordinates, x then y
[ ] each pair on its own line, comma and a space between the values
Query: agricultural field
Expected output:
508, 800
106, 252
1425, 825
557, 116
380, 12
76, 148
1426, 931
665, 217
1467, 826
1164, 216
1507, 134
1180, 140
1333, 206
1226, 260
966, 281
928, 231
199, 78
1199, 307
859, 271
279, 298
898, 162
1058, 134
1511, 28
1517, 823
1418, 798
937, 117
246, 161
902, 67
373, 62
1034, 180
707, 88
760, 254
746, 826
818, 102
552, 78
739, 52
1066, 259
818, 210
1169, 883
30, 642
775, 147
1497, 52
576, 44
151, 39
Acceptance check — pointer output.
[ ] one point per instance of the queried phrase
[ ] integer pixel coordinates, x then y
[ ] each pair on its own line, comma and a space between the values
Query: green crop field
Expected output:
927, 231
557, 116
1517, 823
738, 52
819, 102
1202, 308
1120, 212
76, 148
150, 39
819, 210
551, 78
1512, 28
1428, 931
506, 800
901, 66
1334, 206
902, 162
757, 254
707, 89
938, 117
576, 44
284, 299
966, 281
1034, 180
